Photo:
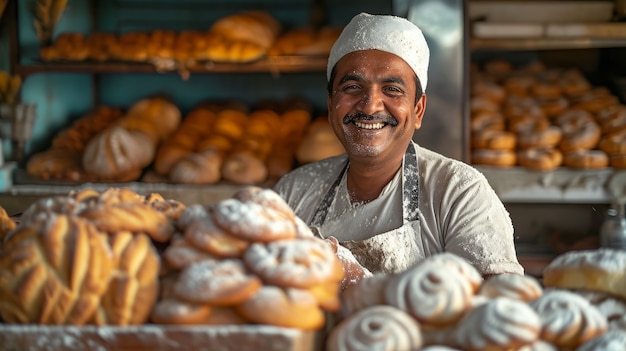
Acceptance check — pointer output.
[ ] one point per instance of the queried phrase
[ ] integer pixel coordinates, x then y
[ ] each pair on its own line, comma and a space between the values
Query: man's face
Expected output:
372, 106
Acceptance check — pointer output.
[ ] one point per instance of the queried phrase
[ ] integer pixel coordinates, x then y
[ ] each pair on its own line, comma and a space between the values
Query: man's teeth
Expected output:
369, 125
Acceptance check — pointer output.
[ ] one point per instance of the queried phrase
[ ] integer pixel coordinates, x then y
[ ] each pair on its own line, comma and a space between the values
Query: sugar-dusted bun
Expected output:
180, 254
378, 327
133, 288
203, 234
299, 262
54, 271
251, 221
499, 324
220, 283
432, 293
567, 319
173, 311
367, 292
266, 198
514, 286
602, 270
610, 341
284, 307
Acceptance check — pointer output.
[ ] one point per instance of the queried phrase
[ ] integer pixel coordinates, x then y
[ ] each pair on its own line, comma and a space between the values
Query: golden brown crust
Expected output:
291, 308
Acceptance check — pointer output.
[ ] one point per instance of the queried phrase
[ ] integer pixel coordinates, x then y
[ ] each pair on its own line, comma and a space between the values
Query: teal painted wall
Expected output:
62, 97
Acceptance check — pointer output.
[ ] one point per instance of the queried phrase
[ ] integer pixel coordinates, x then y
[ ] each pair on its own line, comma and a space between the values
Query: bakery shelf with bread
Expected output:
246, 41
544, 118
215, 143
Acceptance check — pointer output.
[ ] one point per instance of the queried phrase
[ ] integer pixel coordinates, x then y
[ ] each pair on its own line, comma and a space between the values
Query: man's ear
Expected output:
420, 108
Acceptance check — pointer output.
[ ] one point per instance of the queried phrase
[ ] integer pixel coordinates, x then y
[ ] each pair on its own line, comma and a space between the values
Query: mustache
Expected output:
388, 119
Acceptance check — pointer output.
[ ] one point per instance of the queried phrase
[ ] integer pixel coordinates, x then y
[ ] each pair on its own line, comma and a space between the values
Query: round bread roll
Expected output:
499, 324
602, 270
198, 168
433, 293
117, 151
376, 328
284, 307
319, 142
568, 319
514, 286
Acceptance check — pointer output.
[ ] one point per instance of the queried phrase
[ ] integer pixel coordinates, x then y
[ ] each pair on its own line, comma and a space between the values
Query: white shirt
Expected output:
459, 212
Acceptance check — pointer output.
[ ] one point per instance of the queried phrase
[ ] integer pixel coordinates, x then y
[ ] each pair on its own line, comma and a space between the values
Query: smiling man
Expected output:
390, 202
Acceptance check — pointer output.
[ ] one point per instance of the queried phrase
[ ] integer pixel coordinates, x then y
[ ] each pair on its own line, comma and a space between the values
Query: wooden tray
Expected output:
14, 337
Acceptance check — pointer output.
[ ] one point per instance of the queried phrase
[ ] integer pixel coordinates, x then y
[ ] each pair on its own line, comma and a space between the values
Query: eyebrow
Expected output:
359, 78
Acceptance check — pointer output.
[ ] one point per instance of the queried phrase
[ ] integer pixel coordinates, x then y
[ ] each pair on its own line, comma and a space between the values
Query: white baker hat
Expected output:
395, 35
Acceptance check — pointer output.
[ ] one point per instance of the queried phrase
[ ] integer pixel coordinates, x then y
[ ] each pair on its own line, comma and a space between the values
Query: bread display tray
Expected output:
15, 337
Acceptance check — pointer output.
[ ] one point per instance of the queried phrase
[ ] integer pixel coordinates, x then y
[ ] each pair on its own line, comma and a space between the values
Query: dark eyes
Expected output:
391, 90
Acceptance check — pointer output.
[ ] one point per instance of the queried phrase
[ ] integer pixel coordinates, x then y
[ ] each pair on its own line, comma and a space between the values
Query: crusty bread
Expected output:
602, 270
54, 271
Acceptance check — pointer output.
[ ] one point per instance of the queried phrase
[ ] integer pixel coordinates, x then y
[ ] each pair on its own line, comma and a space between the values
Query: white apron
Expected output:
389, 252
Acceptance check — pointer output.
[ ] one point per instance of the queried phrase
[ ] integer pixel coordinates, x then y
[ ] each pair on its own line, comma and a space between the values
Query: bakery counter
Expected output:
16, 198
563, 185
158, 337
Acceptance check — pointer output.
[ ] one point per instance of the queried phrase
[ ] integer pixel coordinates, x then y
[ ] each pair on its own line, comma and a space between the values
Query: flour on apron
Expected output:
392, 251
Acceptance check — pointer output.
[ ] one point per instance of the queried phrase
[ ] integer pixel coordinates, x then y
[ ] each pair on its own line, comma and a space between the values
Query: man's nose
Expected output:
372, 101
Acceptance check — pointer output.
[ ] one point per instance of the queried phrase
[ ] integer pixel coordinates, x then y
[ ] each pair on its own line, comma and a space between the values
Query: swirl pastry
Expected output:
515, 286
432, 293
367, 292
463, 267
609, 341
568, 319
380, 327
500, 324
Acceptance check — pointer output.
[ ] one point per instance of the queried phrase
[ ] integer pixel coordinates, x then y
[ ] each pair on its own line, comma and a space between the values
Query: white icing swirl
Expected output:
614, 340
500, 324
432, 293
568, 319
515, 286
380, 327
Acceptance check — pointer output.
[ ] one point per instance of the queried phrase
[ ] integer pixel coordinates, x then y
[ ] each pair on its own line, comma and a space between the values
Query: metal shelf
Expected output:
274, 64
522, 44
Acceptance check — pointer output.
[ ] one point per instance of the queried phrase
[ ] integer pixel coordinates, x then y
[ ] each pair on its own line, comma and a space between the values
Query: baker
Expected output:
388, 200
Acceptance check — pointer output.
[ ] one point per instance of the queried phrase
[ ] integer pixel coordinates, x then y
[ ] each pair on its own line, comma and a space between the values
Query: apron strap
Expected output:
410, 185
322, 209
410, 190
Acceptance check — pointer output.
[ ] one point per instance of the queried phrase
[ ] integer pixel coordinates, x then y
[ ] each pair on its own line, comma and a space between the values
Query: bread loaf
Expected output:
117, 151
54, 271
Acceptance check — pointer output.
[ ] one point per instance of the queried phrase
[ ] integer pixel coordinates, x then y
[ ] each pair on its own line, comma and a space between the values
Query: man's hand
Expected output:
353, 271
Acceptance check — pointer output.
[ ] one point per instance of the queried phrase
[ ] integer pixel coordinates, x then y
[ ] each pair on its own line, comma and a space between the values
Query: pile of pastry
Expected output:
119, 258
543, 118
217, 141
442, 303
